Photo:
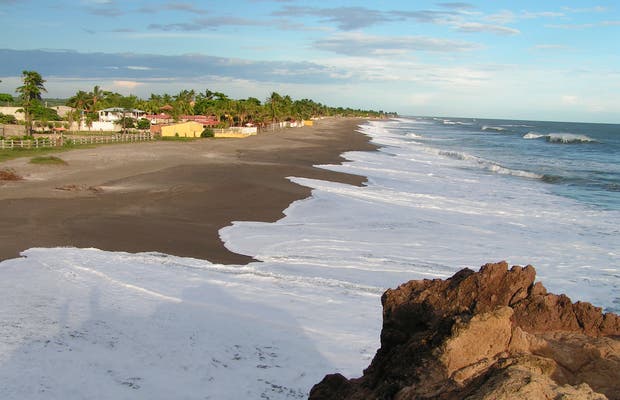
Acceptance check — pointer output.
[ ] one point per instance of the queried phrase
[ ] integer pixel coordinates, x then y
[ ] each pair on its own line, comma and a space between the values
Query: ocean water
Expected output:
442, 194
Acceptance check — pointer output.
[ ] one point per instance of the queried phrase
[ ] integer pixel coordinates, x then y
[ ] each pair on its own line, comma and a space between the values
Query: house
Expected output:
156, 119
117, 113
62, 111
182, 129
209, 121
14, 111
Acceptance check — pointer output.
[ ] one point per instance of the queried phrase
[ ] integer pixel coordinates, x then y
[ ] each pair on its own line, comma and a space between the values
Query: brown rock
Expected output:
492, 334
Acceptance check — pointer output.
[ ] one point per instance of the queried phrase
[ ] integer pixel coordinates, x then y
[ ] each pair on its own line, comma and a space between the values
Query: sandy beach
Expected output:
170, 197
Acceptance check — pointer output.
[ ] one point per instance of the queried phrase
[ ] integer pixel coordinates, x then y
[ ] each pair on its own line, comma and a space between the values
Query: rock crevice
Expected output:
492, 334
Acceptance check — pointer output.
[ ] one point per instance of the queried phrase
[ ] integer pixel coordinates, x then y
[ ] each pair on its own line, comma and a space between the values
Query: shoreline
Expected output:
169, 197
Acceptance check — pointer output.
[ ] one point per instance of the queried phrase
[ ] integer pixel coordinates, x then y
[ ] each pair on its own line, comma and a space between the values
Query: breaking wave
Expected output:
489, 165
493, 128
562, 138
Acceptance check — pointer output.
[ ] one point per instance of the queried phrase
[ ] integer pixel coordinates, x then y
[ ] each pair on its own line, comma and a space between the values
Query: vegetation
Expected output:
30, 95
177, 138
6, 99
48, 160
143, 124
208, 132
216, 105
7, 119
229, 112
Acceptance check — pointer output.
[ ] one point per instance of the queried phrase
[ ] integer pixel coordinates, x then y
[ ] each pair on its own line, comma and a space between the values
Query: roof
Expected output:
120, 109
161, 116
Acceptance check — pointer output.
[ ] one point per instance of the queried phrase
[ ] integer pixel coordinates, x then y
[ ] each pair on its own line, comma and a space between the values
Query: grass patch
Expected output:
48, 160
10, 154
9, 174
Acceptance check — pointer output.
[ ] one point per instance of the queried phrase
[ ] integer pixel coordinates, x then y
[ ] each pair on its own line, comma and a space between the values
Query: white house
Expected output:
116, 113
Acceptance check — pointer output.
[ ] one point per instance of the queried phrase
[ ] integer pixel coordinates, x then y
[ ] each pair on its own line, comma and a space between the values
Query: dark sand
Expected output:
169, 197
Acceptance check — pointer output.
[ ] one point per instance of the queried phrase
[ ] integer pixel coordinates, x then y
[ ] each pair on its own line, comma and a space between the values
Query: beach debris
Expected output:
79, 188
9, 174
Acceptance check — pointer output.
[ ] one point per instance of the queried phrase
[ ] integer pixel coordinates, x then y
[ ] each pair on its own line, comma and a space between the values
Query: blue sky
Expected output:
552, 60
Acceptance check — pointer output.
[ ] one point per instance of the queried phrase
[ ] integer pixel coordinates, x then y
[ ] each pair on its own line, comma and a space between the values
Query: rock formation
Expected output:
492, 334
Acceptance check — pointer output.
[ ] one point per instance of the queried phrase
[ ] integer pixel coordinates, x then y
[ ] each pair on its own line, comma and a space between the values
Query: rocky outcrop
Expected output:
492, 334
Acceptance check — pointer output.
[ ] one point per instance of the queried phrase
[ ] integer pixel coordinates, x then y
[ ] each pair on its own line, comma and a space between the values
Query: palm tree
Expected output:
184, 102
30, 93
273, 102
80, 101
96, 95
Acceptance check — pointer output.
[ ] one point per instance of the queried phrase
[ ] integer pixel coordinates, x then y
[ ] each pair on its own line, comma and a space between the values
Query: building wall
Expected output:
12, 130
13, 111
100, 126
184, 129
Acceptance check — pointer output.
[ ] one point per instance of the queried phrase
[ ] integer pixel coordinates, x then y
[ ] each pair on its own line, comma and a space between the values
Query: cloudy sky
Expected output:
544, 60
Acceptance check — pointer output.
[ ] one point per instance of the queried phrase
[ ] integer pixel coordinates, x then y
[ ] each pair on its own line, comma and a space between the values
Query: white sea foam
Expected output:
533, 135
156, 326
486, 164
568, 138
493, 128
563, 138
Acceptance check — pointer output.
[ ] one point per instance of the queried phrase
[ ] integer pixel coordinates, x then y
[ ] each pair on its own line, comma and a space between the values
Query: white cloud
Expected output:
126, 84
472, 27
570, 100
420, 99
551, 47
360, 44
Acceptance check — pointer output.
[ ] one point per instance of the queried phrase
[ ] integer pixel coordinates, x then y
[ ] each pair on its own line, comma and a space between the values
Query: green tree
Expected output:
6, 99
143, 124
274, 103
96, 96
7, 119
80, 101
89, 121
30, 94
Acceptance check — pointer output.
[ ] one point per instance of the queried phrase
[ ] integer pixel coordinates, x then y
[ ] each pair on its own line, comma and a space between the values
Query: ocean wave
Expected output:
490, 165
493, 128
533, 135
413, 135
561, 138
568, 138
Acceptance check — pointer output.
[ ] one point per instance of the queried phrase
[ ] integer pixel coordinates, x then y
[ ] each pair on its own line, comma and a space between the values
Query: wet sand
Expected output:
169, 197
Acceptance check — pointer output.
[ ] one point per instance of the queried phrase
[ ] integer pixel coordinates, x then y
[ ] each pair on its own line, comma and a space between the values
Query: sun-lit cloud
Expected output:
126, 84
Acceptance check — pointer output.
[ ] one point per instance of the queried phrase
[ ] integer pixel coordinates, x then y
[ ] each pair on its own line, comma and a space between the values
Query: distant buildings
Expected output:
115, 114
188, 129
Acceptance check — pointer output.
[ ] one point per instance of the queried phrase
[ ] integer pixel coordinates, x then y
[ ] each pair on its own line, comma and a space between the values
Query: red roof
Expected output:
154, 116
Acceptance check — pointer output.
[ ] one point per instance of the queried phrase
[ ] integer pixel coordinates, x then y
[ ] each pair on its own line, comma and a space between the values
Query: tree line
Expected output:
228, 111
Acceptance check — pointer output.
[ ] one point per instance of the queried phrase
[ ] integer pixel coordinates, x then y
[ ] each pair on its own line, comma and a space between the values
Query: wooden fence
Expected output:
60, 141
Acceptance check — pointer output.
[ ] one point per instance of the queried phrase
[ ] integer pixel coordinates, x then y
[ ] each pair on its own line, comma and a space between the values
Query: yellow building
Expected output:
184, 129
308, 123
